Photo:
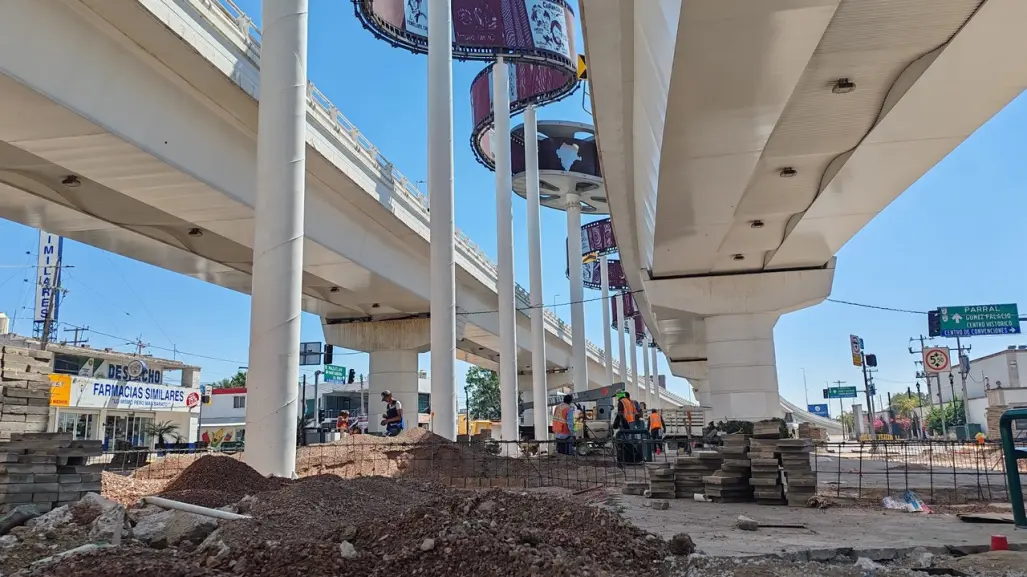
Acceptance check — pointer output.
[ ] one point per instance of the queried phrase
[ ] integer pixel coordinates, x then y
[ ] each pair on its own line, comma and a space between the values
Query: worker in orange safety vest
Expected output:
627, 414
656, 430
563, 426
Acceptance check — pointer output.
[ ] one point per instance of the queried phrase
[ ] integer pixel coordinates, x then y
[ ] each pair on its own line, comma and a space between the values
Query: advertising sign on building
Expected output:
135, 370
48, 276
90, 393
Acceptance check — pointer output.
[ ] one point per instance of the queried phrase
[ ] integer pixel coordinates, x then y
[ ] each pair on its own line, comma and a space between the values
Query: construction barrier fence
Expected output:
940, 472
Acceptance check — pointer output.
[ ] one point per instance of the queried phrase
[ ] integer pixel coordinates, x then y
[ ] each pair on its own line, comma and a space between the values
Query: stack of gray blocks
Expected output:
25, 395
47, 470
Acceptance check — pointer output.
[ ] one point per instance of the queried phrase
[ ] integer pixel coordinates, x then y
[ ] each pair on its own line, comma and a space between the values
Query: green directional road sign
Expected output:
979, 320
841, 393
335, 374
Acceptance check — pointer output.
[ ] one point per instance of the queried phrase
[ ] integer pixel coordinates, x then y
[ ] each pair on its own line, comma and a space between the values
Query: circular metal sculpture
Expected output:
535, 36
568, 162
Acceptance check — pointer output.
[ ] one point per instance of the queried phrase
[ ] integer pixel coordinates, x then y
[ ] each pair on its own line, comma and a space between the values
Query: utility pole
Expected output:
804, 387
963, 368
317, 400
841, 407
927, 377
139, 344
51, 304
77, 341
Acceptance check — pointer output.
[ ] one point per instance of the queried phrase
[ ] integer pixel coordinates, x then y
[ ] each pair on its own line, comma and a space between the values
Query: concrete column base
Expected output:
742, 367
394, 371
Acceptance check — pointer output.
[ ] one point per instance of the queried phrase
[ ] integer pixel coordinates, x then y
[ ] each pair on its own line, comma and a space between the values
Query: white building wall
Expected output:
998, 369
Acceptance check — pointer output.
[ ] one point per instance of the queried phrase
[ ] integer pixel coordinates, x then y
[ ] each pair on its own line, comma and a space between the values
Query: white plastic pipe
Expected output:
538, 328
604, 273
656, 379
278, 240
645, 372
440, 196
504, 239
188, 508
578, 355
622, 353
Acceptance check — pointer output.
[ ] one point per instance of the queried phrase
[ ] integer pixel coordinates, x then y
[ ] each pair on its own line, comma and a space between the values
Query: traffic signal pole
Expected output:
870, 398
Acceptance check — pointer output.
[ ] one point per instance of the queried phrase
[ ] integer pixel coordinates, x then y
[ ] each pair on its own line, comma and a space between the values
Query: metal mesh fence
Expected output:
941, 472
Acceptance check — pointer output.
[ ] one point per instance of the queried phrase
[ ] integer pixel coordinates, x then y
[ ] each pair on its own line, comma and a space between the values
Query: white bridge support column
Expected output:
440, 199
393, 346
504, 240
739, 313
278, 240
742, 366
579, 360
538, 328
394, 371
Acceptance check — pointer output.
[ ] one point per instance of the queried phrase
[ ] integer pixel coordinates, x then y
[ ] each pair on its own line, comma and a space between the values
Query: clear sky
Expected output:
955, 237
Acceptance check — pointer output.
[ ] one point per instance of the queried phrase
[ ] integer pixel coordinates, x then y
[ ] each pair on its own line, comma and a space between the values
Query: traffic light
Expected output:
825, 393
871, 390
934, 323
320, 415
328, 354
351, 377
871, 360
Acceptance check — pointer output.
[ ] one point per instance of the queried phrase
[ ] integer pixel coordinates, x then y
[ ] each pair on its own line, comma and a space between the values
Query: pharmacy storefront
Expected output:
123, 414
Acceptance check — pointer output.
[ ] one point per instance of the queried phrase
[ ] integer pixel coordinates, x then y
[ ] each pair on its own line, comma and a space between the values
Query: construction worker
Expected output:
656, 430
392, 420
563, 423
625, 412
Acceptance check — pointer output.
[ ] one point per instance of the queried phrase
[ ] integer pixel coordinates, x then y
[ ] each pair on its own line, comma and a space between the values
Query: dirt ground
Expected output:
713, 527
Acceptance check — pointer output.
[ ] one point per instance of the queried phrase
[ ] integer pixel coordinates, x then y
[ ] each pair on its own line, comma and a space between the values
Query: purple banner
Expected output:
536, 36
597, 238
592, 274
630, 311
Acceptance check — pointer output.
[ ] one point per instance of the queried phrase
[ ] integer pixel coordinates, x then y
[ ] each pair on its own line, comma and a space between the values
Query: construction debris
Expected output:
766, 464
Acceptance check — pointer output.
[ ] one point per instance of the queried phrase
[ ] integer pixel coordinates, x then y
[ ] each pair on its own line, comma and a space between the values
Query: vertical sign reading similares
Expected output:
48, 276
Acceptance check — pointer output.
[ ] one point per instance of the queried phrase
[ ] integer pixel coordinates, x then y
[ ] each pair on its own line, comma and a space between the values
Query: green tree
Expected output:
238, 381
906, 404
848, 422
953, 415
483, 393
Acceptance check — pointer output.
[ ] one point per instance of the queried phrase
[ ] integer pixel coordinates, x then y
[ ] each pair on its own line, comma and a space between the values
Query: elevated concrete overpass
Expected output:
744, 143
131, 125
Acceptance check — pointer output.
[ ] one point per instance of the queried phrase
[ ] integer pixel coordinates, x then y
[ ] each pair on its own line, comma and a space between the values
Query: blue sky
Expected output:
953, 238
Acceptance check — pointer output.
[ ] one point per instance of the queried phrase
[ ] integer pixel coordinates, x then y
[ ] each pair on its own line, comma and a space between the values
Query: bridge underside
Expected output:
744, 144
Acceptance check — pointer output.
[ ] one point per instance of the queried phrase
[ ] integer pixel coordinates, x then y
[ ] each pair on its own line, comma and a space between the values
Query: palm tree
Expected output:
160, 430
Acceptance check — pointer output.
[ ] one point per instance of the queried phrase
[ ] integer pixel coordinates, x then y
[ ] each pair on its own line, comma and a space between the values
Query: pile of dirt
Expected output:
169, 466
378, 527
203, 497
326, 526
314, 508
223, 474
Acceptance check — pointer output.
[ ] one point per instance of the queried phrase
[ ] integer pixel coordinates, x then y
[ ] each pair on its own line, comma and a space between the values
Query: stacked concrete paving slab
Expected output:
690, 470
799, 476
47, 470
766, 465
730, 484
808, 431
25, 399
661, 480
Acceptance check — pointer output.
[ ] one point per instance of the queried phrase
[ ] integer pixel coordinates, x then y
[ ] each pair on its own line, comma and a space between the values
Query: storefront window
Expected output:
124, 432
80, 425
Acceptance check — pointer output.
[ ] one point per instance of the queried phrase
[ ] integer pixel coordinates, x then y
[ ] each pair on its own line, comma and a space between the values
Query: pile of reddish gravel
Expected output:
215, 478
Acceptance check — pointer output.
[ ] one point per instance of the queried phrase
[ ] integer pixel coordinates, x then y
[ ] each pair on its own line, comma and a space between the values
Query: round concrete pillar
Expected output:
394, 371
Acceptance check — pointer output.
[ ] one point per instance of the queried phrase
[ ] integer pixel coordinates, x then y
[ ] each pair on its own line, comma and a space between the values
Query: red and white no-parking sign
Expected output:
936, 359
